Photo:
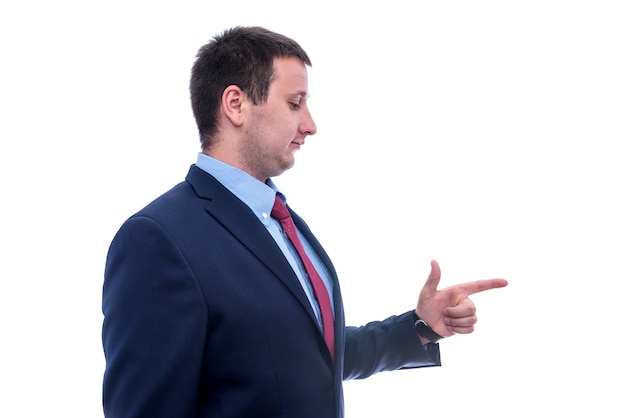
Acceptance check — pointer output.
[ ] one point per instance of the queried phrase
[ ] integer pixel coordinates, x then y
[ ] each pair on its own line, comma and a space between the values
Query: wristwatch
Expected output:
424, 330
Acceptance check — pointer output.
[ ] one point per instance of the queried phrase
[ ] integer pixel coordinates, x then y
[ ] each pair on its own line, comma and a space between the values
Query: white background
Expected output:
488, 135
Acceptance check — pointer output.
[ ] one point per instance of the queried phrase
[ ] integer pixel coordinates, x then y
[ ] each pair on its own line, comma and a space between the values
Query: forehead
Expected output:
291, 74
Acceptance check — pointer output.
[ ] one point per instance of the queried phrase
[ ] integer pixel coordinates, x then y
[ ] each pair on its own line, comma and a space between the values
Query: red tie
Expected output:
280, 213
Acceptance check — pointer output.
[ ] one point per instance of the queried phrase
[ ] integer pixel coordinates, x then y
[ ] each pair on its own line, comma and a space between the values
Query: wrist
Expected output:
424, 330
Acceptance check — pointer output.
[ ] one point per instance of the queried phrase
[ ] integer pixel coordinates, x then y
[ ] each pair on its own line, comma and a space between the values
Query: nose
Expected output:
308, 127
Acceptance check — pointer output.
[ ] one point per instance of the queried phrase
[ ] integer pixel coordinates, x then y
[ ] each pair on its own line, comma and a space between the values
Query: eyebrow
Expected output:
303, 94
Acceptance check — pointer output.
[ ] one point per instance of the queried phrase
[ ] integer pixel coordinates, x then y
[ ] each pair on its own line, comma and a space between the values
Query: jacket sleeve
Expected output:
154, 326
387, 345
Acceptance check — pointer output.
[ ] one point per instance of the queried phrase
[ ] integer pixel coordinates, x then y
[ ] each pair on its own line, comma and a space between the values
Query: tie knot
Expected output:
279, 211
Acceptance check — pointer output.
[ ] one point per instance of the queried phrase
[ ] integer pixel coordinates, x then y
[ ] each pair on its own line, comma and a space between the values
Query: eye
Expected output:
295, 106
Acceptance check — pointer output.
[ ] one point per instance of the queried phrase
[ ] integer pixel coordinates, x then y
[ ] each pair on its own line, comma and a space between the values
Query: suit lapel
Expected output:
241, 222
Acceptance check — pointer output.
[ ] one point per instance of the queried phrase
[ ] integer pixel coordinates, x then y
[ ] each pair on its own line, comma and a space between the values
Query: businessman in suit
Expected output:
209, 308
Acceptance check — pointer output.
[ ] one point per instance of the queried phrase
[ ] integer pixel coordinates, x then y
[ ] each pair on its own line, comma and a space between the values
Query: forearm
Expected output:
386, 345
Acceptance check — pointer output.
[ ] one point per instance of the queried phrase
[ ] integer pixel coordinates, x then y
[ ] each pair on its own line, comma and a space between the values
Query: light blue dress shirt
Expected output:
259, 197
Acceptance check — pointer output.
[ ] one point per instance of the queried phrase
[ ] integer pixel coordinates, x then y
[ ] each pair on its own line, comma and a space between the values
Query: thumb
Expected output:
433, 279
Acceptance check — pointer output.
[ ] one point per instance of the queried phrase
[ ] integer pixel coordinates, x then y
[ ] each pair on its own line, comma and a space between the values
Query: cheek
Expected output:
282, 130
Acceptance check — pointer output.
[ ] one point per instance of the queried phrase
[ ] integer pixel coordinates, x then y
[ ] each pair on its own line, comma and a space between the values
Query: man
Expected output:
209, 309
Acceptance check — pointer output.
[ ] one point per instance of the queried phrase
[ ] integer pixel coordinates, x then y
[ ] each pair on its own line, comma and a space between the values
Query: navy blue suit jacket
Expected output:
204, 317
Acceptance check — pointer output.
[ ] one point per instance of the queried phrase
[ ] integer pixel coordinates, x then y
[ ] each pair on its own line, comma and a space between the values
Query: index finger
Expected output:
482, 285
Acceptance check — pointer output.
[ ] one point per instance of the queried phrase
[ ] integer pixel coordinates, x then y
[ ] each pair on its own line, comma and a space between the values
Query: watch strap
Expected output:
424, 330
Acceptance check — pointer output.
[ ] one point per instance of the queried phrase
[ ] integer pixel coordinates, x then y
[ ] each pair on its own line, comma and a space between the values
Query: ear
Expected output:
232, 100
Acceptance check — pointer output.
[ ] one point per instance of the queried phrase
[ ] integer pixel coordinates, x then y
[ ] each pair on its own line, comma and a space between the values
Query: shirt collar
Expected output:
258, 196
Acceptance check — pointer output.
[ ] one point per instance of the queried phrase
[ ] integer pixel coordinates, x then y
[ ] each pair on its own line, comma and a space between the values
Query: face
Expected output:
276, 129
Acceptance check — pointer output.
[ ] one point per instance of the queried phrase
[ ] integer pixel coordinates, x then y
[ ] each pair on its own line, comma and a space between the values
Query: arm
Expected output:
386, 345
395, 344
153, 330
